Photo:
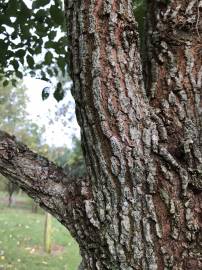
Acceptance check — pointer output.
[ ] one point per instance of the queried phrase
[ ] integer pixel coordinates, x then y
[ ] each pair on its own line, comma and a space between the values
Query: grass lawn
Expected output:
21, 241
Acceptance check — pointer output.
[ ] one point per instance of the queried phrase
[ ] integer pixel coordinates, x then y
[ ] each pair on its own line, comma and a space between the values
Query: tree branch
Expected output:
39, 178
66, 198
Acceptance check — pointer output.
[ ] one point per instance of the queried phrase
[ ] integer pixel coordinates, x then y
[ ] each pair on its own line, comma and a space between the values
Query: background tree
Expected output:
71, 160
13, 119
140, 206
11, 188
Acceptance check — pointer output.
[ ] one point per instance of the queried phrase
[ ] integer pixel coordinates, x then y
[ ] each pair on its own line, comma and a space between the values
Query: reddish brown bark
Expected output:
174, 90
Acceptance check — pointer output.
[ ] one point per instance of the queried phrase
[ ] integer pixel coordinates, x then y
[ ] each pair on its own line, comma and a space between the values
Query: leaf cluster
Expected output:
33, 40
13, 119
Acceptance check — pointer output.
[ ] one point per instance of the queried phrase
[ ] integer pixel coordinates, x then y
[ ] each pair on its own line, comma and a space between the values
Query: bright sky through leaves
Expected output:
57, 132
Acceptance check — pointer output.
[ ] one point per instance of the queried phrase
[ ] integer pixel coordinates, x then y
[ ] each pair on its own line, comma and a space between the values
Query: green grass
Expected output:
21, 242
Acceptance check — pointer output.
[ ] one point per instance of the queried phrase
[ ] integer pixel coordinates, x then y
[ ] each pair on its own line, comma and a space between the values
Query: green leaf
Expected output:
25, 11
52, 34
56, 71
37, 50
19, 74
20, 53
61, 63
59, 92
2, 29
4, 20
44, 76
14, 35
10, 54
3, 50
41, 30
40, 15
14, 82
63, 41
57, 15
12, 8
45, 93
48, 58
31, 51
3, 46
5, 83
24, 14
25, 31
40, 3
32, 73
15, 64
50, 72
30, 61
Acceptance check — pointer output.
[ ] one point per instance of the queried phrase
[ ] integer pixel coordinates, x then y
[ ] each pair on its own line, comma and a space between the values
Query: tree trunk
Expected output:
174, 75
140, 207
10, 199
34, 207
47, 233
11, 188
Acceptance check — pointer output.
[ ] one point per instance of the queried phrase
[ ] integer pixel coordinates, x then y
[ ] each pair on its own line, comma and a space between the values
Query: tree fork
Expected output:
113, 112
129, 145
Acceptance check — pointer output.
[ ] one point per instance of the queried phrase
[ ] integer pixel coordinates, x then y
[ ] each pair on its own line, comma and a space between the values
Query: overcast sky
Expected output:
43, 113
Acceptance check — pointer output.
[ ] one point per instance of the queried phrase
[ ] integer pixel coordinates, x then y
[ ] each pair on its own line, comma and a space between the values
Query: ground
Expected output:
21, 240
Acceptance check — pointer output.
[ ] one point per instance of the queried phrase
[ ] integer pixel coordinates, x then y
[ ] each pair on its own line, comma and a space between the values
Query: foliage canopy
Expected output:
33, 40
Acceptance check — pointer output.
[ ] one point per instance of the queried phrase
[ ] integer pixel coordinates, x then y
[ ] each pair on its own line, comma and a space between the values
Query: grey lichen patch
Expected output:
185, 180
172, 99
90, 211
107, 7
160, 127
192, 225
155, 139
168, 157
167, 174
116, 146
172, 210
96, 63
146, 137
115, 165
196, 179
152, 214
191, 138
168, 259
111, 108
165, 197
151, 176
147, 230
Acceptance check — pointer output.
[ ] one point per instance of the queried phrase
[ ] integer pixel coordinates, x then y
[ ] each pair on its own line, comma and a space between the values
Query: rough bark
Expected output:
174, 75
113, 114
143, 154
141, 207
41, 179
47, 184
